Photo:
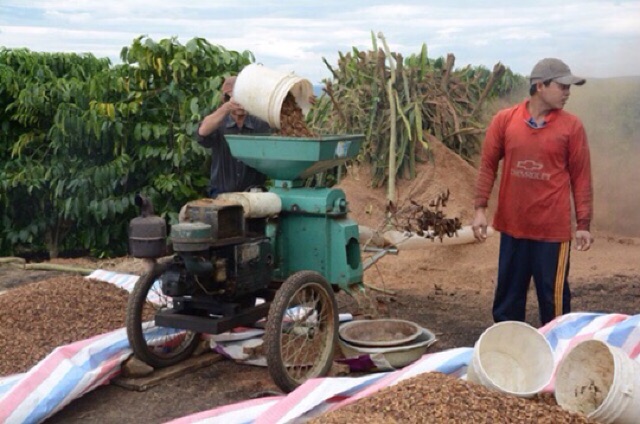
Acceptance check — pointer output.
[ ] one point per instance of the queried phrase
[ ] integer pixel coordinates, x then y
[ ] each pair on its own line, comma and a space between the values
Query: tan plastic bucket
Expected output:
512, 357
261, 92
600, 381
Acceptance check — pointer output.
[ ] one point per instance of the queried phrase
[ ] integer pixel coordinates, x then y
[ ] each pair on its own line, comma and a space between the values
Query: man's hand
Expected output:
584, 240
234, 106
213, 121
479, 225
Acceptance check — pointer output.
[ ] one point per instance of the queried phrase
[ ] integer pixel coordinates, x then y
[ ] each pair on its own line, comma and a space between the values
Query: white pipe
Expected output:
370, 237
405, 240
255, 205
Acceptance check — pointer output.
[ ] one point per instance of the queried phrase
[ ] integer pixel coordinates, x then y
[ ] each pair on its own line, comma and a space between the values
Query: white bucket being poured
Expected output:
261, 92
512, 357
600, 381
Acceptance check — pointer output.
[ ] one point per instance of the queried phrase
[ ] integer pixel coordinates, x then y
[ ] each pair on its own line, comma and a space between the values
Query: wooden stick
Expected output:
391, 188
444, 83
12, 260
498, 71
378, 289
57, 267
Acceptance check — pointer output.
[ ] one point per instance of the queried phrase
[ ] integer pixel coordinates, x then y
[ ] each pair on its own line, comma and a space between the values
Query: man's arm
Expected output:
492, 152
212, 122
581, 185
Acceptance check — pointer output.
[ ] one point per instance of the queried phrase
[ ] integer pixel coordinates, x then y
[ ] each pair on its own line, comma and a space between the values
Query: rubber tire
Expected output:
134, 321
273, 342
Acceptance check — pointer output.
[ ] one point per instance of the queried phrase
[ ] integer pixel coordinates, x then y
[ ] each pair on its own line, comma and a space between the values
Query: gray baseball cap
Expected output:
556, 70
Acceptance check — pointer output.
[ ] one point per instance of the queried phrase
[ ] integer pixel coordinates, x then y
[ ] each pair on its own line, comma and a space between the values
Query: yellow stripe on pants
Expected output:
561, 274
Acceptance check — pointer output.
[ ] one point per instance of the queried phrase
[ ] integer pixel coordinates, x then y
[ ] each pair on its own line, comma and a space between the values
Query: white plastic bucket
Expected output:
261, 92
512, 357
600, 381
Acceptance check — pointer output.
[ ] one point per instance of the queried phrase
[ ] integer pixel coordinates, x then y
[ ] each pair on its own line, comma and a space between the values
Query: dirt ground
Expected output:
447, 289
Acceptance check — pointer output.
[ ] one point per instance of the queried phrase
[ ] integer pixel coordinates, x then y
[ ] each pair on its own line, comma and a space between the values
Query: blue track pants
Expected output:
522, 259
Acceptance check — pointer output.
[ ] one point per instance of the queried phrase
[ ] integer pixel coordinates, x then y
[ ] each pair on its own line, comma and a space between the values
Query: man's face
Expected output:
555, 95
227, 93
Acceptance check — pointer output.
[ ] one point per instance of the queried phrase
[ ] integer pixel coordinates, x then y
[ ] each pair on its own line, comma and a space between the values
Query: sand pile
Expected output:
447, 171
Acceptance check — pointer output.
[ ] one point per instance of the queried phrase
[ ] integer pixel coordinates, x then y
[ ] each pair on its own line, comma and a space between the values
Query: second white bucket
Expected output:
600, 381
261, 92
512, 357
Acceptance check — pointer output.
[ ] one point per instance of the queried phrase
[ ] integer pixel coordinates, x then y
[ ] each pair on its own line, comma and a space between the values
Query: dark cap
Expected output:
556, 70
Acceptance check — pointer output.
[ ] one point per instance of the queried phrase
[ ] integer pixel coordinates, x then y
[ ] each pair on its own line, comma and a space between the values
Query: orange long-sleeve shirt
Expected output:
542, 168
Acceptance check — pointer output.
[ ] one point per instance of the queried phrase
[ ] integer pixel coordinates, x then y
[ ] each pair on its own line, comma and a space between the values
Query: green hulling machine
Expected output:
228, 268
313, 232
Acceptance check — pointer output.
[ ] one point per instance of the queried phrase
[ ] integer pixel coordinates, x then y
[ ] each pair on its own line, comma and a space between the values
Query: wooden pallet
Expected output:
140, 384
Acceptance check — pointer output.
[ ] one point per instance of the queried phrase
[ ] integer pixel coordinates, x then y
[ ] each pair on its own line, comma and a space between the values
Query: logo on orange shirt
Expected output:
530, 169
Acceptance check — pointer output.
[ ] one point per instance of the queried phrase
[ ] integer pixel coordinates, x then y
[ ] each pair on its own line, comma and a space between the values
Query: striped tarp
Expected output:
73, 370
327, 394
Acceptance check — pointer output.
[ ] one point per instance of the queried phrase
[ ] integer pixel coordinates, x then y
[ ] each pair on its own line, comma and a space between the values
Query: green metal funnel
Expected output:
293, 158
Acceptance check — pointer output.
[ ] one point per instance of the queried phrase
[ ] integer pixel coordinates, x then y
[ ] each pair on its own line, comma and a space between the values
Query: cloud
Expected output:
596, 38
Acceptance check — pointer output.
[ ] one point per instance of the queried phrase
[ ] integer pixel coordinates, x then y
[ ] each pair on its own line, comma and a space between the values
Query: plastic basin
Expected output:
379, 332
396, 356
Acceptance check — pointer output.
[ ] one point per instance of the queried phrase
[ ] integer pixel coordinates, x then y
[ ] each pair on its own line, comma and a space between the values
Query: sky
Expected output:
596, 38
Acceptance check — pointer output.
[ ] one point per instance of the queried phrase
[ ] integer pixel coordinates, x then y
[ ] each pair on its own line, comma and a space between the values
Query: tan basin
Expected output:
379, 332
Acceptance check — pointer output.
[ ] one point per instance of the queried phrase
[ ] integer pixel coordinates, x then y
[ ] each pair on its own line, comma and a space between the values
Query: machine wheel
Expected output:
301, 330
163, 346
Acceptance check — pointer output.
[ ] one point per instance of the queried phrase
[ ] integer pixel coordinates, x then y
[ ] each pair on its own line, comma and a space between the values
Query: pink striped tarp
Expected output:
326, 394
73, 370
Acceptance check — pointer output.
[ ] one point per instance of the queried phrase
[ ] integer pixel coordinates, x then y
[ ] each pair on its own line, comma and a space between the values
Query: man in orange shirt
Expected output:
546, 161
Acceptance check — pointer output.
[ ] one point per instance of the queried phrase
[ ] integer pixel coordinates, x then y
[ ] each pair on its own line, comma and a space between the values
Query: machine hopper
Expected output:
288, 160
